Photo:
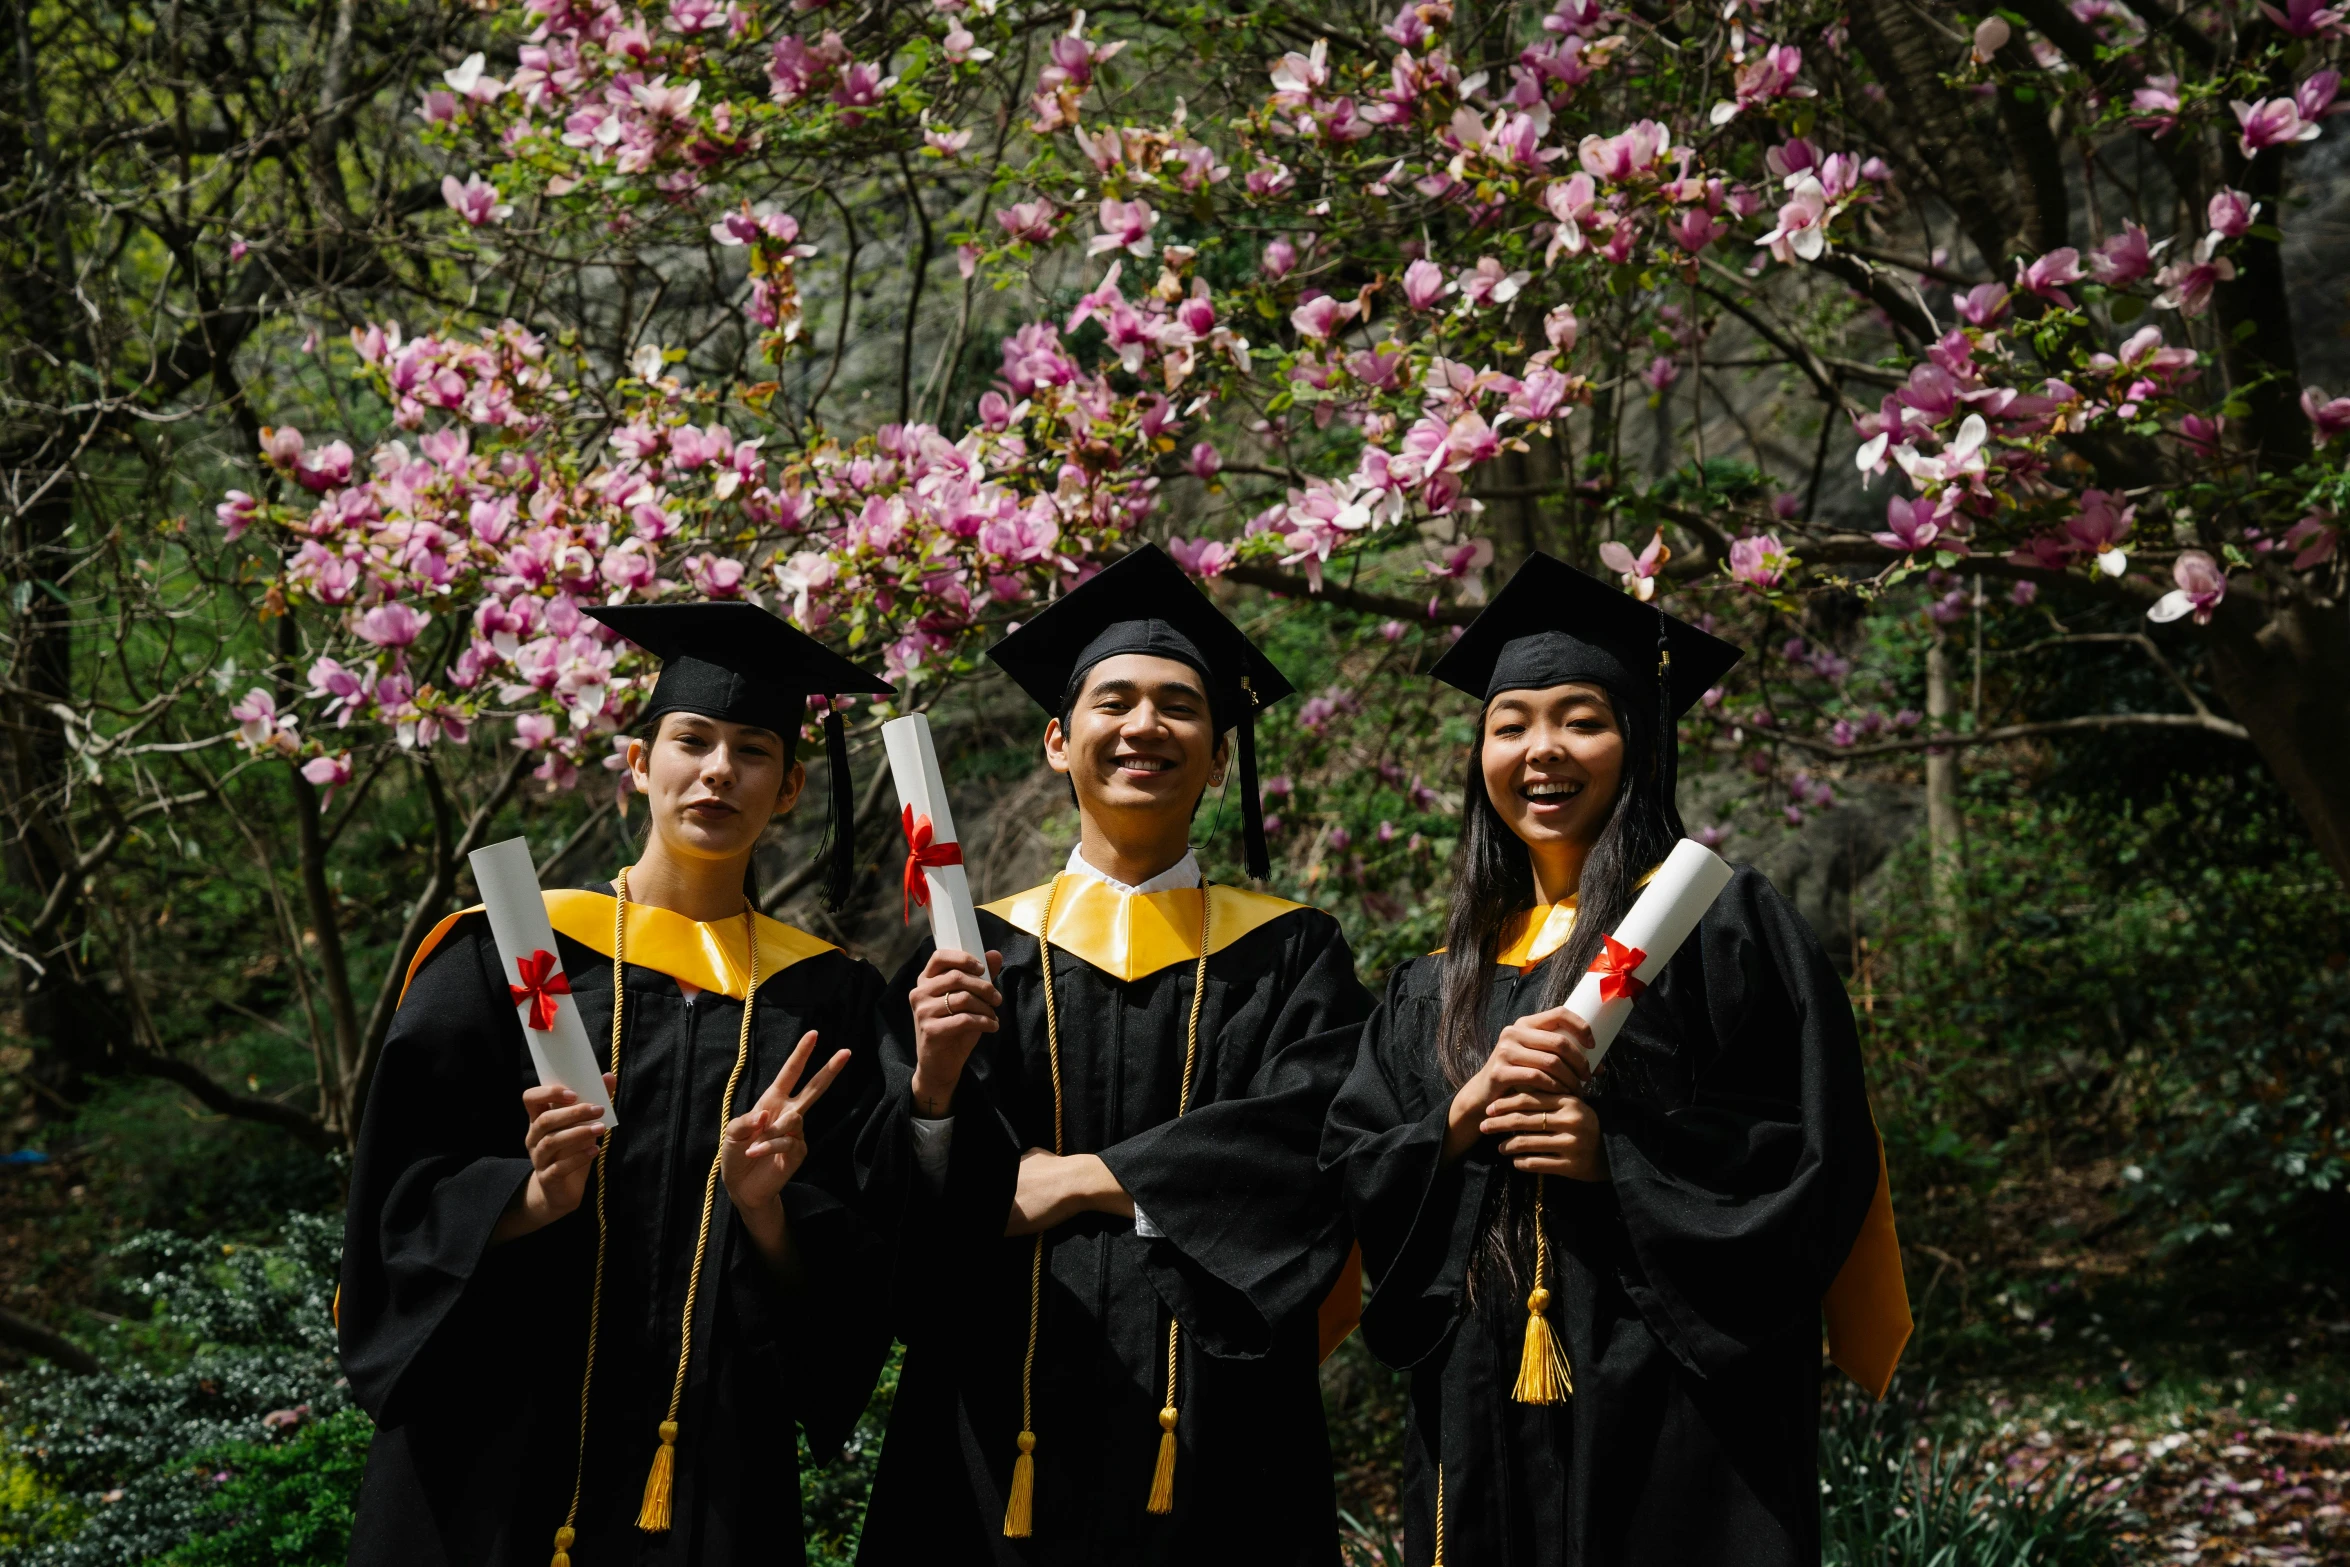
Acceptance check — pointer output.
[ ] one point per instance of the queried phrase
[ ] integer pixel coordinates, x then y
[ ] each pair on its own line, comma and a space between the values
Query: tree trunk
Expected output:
1945, 828
2286, 677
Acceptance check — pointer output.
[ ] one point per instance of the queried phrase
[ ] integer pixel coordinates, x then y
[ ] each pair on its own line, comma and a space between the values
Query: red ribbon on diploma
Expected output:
1614, 966
922, 853
541, 983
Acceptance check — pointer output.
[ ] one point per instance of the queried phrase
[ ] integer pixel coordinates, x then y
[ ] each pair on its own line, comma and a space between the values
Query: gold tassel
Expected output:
653, 1517
563, 1538
1542, 1371
1163, 1478
1019, 1511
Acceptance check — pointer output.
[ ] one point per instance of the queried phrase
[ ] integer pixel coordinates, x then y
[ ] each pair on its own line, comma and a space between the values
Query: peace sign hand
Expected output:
764, 1149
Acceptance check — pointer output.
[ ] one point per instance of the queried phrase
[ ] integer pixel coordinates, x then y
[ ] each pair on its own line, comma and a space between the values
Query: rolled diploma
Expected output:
1659, 920
913, 767
518, 922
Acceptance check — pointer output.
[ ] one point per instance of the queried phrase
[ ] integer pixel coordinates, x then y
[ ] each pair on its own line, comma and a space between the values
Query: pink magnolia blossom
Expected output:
1759, 562
1460, 561
1910, 525
2330, 416
1984, 305
1424, 284
476, 201
2231, 212
1029, 221
2101, 529
1619, 157
2187, 285
2314, 538
1205, 462
2201, 435
1318, 318
1280, 258
1662, 372
715, 576
1991, 35
2271, 122
325, 467
261, 727
2313, 100
329, 773
2156, 105
392, 625
236, 513
1487, 284
2306, 18
2047, 275
2124, 258
1638, 571
467, 79
1802, 229
1126, 225
2202, 584
1203, 557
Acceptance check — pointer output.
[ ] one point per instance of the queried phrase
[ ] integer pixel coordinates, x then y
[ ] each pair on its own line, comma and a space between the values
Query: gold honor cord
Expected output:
1162, 1498
1020, 1506
1438, 1559
653, 1517
1543, 1376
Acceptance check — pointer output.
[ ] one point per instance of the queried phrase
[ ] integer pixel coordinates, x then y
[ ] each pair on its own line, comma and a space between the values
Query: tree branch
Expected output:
2055, 726
1290, 584
307, 1129
22, 1332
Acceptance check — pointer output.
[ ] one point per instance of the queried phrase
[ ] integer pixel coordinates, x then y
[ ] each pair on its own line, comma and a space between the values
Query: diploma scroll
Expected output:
1660, 919
934, 856
559, 1046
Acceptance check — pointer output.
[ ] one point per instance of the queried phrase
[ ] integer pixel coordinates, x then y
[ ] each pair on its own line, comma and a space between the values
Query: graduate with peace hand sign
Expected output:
764, 1149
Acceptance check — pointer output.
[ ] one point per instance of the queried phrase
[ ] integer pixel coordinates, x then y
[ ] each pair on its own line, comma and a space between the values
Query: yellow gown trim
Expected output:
1868, 1306
703, 955
1536, 933
1128, 935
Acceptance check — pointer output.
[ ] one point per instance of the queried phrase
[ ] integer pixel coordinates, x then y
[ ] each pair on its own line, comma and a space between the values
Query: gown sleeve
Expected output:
935, 1232
832, 1329
439, 1158
1252, 1231
1417, 1218
1743, 1196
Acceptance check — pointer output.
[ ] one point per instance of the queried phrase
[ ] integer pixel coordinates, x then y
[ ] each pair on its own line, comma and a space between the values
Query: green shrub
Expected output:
281, 1504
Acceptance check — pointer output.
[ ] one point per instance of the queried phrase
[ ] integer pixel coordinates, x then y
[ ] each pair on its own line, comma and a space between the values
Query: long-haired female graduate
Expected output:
607, 1359
1114, 1236
1607, 1288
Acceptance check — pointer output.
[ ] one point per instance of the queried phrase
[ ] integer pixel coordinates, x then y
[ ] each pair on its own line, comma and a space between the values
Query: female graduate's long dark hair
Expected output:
1493, 880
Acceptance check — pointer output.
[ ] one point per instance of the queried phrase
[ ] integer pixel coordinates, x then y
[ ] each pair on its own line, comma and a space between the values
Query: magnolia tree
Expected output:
1742, 303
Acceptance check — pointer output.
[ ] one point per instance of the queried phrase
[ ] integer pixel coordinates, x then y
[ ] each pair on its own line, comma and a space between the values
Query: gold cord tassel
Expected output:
1543, 1377
1163, 1477
563, 1538
1438, 1559
653, 1516
1020, 1509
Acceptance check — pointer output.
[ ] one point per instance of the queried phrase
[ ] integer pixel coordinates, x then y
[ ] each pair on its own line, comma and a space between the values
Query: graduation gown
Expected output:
469, 1356
1250, 1241
1686, 1288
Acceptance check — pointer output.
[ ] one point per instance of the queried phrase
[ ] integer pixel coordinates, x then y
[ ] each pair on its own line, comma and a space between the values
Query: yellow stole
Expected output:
1867, 1307
703, 955
1128, 935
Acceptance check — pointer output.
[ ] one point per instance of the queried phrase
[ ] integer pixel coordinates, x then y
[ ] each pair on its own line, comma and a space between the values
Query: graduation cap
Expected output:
739, 664
1551, 624
1143, 603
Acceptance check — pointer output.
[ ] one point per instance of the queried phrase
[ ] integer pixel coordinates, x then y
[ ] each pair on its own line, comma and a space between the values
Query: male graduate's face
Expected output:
714, 786
1140, 739
1552, 760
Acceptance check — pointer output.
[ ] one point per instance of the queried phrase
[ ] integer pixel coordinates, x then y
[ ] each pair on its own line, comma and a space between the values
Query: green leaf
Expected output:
2244, 329
2125, 308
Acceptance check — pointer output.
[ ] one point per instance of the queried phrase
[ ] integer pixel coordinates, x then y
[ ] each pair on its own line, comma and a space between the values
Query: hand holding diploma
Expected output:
561, 1141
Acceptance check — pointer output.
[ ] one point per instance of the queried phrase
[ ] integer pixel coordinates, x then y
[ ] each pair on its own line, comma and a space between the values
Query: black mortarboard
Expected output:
1143, 603
737, 663
1551, 624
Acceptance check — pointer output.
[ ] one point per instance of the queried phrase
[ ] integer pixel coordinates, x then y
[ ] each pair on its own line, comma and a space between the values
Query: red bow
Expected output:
541, 983
1614, 966
921, 852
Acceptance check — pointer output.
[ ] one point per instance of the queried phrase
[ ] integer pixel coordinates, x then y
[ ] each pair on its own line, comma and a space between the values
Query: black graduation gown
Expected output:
469, 1357
1686, 1288
1253, 1239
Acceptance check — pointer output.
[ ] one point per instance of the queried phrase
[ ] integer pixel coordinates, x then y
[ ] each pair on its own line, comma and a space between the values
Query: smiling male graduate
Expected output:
1097, 1146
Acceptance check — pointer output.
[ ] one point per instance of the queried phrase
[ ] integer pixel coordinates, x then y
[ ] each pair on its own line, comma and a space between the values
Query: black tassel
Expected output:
1668, 729
841, 828
1252, 809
